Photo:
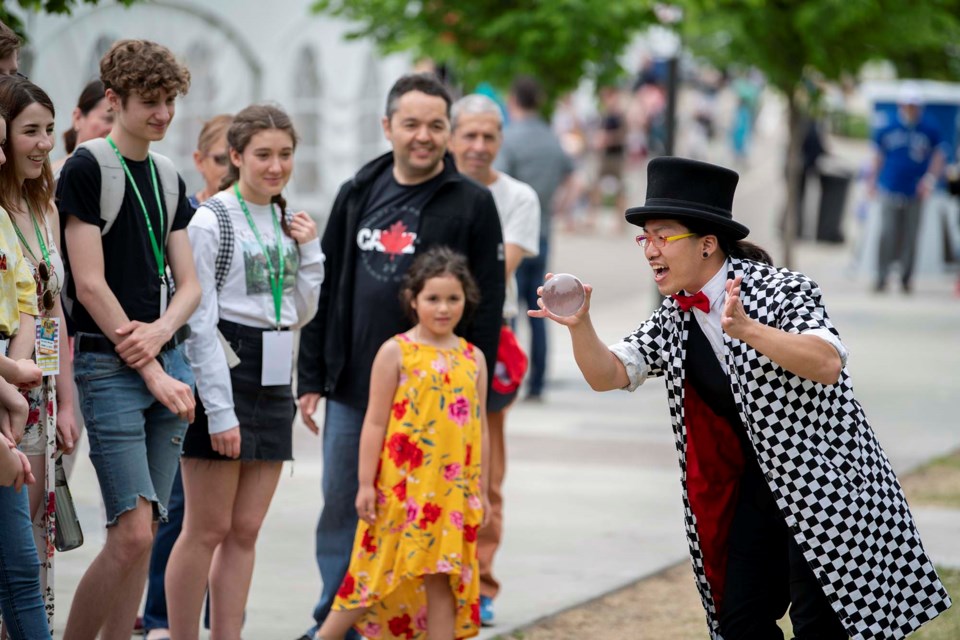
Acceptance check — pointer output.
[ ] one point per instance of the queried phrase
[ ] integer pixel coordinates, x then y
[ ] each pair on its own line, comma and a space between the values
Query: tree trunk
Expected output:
794, 174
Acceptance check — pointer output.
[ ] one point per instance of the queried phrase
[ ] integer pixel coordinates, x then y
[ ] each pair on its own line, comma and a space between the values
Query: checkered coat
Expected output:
832, 481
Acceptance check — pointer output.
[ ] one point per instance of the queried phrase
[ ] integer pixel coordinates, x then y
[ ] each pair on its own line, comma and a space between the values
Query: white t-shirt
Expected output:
246, 297
519, 211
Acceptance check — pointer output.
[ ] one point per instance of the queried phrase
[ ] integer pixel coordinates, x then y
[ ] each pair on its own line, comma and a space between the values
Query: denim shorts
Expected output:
135, 441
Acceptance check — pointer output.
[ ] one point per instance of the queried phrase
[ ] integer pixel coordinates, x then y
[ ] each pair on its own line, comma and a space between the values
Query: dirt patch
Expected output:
666, 605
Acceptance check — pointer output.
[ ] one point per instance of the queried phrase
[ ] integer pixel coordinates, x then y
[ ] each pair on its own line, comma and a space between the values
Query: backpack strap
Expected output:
113, 183
112, 180
170, 183
226, 243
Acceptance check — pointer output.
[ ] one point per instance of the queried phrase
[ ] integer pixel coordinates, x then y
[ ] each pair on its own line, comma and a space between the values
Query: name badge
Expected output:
163, 297
277, 367
48, 345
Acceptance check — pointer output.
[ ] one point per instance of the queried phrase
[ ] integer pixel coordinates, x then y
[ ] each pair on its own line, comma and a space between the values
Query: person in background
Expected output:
532, 154
26, 192
908, 165
10, 44
212, 161
475, 140
91, 118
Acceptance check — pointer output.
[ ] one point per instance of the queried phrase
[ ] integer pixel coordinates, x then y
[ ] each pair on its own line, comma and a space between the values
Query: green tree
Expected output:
64, 7
557, 41
788, 40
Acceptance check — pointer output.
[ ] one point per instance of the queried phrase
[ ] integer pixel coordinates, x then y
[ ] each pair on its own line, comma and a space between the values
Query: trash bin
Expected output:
834, 184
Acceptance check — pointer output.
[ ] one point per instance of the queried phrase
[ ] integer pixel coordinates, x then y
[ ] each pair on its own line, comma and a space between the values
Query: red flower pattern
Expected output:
470, 532
347, 586
400, 490
429, 514
367, 542
400, 626
400, 408
402, 450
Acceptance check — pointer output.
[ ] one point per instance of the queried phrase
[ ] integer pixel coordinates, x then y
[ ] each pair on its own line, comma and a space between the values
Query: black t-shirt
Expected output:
129, 265
386, 243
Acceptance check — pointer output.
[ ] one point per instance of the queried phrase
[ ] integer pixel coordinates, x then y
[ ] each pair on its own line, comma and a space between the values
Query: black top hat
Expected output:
688, 190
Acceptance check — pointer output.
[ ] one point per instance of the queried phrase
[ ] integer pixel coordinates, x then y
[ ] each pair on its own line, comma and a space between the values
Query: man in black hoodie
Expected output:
403, 202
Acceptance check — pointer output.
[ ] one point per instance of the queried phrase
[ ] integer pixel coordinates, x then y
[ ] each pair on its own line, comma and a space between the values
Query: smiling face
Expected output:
679, 265
439, 305
144, 118
265, 164
418, 130
475, 144
31, 134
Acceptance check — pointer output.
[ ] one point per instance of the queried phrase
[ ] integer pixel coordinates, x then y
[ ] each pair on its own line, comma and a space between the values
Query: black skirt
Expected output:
265, 413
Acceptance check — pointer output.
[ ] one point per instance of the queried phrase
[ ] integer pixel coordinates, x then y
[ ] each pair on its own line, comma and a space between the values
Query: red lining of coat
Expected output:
714, 467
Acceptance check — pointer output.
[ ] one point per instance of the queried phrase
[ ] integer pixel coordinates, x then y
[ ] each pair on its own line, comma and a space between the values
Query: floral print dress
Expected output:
428, 499
40, 433
41, 427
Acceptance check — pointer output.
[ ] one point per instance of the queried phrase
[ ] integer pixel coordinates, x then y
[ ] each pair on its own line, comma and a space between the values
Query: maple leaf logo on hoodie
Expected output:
396, 239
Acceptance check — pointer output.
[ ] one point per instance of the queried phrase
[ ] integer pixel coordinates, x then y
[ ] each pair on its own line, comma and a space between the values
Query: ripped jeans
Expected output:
135, 441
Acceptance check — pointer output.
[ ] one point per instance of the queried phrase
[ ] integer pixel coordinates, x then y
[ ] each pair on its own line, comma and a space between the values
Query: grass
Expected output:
937, 483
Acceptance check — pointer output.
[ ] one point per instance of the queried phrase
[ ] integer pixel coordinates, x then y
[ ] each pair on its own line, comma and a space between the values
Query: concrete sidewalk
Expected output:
593, 488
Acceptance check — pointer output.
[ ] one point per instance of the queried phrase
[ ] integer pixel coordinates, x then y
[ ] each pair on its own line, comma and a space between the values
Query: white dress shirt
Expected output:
715, 290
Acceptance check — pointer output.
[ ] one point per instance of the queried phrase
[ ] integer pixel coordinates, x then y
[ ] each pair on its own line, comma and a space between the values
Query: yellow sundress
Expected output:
428, 499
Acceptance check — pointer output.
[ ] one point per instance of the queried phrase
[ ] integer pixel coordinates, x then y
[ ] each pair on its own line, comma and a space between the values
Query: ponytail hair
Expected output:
745, 251
741, 249
246, 124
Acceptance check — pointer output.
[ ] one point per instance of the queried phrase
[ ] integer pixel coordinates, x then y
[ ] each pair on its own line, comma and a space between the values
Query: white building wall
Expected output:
239, 52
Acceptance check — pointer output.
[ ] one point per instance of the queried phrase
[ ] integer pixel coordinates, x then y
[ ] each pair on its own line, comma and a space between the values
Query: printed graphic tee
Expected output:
386, 244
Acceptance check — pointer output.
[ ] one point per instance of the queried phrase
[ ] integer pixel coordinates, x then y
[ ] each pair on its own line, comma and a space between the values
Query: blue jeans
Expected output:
134, 440
338, 519
530, 276
20, 600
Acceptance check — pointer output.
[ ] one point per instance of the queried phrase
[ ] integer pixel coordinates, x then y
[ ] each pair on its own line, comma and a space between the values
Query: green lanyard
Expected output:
43, 245
276, 275
157, 247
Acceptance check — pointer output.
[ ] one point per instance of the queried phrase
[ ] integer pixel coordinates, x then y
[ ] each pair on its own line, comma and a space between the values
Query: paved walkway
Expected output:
592, 494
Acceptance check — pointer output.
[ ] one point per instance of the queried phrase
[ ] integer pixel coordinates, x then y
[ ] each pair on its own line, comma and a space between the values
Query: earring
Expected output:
706, 255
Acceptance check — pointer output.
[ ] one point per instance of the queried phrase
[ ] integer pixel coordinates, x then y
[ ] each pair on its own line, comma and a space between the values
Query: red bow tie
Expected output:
698, 300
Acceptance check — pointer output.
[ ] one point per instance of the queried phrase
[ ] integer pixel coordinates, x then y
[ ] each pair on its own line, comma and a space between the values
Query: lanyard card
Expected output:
163, 297
48, 345
277, 368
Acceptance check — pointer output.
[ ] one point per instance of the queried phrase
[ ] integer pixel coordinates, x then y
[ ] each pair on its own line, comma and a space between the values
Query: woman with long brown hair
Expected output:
260, 267
26, 192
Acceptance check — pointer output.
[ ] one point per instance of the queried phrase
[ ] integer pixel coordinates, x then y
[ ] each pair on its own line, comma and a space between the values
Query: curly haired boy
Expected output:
135, 384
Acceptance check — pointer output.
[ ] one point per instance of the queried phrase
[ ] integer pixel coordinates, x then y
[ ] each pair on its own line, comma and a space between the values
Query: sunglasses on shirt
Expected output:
44, 272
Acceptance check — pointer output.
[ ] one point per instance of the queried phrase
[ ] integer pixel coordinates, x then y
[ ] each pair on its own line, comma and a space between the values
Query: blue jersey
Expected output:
906, 151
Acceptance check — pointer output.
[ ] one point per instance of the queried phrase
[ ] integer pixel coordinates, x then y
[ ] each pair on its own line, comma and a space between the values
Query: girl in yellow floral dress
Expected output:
413, 571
